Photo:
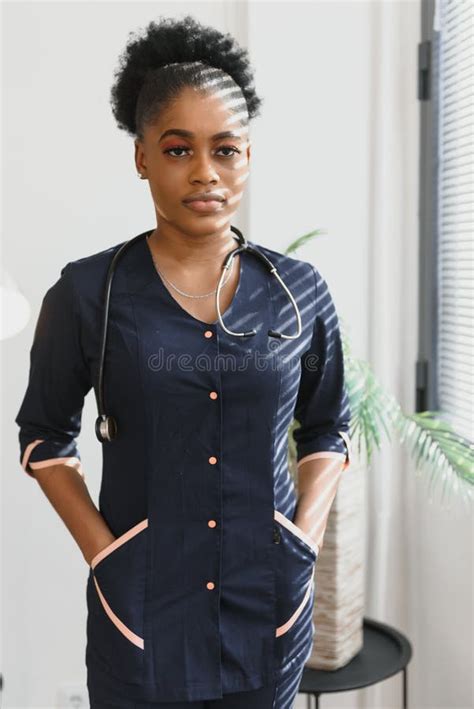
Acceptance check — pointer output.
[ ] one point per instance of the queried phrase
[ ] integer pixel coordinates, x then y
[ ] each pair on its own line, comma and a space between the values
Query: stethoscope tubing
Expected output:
105, 426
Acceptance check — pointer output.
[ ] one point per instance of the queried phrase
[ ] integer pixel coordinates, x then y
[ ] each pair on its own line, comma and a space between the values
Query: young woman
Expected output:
201, 556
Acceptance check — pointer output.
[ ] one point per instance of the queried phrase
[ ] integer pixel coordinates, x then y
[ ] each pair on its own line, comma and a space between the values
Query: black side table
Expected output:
384, 653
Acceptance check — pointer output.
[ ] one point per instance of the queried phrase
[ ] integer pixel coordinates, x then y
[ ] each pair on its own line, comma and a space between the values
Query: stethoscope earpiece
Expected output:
106, 426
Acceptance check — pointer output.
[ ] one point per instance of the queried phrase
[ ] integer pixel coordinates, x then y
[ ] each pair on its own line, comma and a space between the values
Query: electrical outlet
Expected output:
73, 696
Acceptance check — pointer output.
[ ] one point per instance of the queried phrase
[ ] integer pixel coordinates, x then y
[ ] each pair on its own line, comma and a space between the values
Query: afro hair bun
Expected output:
167, 42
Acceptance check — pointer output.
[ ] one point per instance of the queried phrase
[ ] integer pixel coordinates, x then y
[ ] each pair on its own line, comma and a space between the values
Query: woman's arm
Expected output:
318, 480
69, 495
50, 414
323, 445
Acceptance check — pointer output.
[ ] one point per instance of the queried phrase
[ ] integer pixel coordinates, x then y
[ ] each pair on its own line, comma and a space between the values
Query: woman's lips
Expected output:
198, 205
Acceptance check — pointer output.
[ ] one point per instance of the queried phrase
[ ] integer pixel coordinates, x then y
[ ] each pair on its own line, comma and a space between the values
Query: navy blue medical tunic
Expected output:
209, 585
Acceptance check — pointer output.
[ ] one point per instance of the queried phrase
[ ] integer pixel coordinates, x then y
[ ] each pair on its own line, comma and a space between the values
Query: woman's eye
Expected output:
224, 147
170, 150
230, 147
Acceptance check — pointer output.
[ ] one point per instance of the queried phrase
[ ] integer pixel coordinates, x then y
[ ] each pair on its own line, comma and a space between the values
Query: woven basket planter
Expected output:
339, 581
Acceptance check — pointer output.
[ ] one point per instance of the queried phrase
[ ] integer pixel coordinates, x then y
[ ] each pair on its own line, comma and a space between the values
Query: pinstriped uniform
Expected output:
208, 588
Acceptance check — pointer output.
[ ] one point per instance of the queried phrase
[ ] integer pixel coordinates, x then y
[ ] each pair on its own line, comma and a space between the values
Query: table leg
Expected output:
405, 688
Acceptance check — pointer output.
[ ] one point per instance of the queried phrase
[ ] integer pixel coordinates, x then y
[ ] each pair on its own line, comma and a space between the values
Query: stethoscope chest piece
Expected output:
105, 428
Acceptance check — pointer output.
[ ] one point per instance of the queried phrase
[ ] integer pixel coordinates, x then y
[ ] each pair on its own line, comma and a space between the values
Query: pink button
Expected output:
213, 460
212, 523
208, 333
213, 394
210, 585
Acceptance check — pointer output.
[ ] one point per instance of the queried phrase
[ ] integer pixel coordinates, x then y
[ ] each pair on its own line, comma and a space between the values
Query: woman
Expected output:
201, 557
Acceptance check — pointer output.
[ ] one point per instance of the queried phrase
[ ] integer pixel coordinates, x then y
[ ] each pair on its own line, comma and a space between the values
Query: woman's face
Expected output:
179, 165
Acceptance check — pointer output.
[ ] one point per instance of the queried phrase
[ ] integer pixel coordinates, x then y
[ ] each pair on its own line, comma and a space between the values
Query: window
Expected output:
445, 369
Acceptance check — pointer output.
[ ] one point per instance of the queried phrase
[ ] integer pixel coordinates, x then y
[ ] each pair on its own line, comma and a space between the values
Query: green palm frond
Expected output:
437, 450
372, 408
302, 240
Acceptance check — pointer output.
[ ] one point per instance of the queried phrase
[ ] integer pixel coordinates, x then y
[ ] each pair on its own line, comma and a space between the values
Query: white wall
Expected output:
311, 144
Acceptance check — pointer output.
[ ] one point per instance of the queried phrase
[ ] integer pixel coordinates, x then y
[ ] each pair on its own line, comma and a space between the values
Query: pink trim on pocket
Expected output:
118, 542
292, 620
295, 530
129, 634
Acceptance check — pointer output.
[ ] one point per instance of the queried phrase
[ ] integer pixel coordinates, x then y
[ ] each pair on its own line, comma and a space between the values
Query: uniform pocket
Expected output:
297, 532
116, 603
295, 564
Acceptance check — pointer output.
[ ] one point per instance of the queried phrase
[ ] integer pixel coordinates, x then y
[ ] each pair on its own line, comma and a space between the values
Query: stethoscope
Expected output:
106, 426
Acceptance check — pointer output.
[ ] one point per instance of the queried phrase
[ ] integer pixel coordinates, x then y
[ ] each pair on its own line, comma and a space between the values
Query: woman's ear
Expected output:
139, 153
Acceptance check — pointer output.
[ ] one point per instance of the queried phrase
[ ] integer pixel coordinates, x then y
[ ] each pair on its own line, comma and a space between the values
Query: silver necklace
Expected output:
189, 295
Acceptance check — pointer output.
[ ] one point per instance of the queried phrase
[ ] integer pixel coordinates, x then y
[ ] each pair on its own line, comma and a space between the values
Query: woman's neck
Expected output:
191, 250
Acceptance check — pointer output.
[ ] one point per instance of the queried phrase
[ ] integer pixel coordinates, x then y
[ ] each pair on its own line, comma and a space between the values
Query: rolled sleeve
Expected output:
322, 407
59, 379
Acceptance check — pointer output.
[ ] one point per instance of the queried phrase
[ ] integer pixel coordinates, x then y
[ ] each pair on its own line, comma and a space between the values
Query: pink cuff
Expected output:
346, 457
74, 462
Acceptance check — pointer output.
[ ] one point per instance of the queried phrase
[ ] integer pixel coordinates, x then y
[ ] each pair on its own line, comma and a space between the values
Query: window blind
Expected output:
455, 205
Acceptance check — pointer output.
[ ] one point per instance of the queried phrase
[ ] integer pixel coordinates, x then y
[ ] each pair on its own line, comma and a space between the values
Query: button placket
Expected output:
210, 585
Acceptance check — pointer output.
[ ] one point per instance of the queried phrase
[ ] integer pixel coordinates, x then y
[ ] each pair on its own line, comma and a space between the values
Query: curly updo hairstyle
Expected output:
151, 73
